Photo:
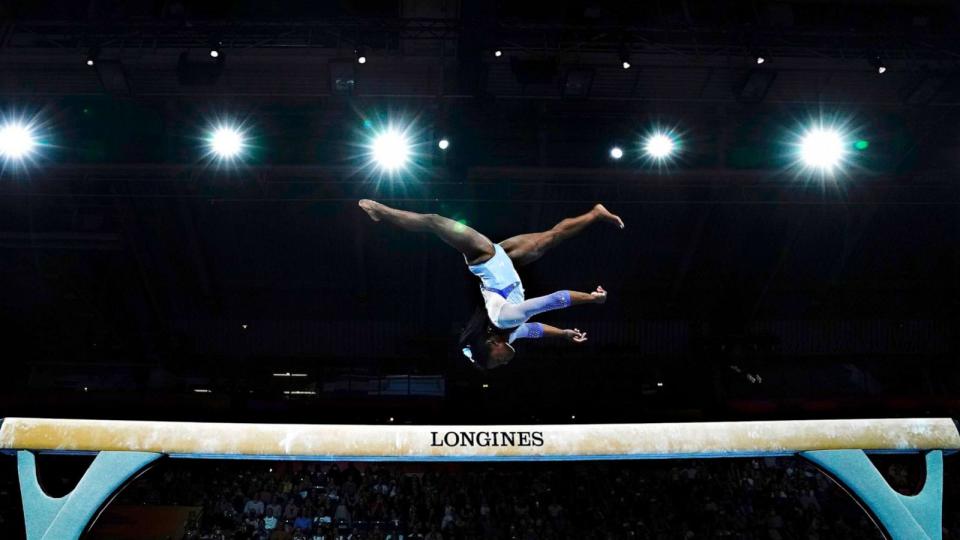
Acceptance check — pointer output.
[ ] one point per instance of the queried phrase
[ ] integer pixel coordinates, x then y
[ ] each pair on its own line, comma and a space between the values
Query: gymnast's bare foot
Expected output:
608, 216
373, 209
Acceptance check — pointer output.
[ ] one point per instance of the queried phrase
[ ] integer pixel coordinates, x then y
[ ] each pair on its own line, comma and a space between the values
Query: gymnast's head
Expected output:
485, 345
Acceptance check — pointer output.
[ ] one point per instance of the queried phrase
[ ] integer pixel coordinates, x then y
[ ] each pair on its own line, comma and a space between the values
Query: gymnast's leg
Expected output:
526, 248
475, 247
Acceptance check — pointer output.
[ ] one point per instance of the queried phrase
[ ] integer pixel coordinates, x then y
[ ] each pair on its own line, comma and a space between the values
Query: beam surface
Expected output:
478, 443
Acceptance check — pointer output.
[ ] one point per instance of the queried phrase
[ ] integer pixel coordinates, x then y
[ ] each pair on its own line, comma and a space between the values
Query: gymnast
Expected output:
488, 336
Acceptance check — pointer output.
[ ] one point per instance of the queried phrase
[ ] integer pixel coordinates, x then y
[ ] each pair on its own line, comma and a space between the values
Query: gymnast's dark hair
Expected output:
473, 338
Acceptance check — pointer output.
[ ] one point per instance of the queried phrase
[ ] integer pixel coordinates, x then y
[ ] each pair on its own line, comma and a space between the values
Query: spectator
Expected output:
270, 522
291, 511
275, 506
254, 505
303, 522
342, 514
282, 533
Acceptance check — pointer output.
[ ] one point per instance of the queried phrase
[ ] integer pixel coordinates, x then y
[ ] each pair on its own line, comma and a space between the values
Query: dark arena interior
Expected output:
181, 239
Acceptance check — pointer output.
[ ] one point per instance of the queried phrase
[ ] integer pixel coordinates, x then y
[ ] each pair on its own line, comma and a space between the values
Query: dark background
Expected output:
134, 271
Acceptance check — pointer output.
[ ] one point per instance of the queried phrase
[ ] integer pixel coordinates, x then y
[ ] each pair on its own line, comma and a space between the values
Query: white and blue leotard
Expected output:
504, 299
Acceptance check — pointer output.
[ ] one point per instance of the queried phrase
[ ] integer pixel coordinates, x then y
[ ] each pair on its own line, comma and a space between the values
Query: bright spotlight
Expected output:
759, 55
361, 59
878, 64
226, 142
443, 144
616, 152
822, 148
391, 150
658, 146
16, 141
498, 53
214, 53
92, 56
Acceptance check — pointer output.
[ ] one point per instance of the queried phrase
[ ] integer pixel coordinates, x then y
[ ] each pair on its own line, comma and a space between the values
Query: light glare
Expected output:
822, 148
391, 150
626, 65
16, 141
616, 152
444, 144
226, 142
659, 146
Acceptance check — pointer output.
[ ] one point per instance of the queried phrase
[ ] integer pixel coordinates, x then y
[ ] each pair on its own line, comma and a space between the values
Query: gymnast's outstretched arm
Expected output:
516, 314
537, 330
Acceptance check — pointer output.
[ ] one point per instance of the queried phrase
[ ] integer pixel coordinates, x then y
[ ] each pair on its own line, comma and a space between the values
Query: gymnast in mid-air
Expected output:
488, 336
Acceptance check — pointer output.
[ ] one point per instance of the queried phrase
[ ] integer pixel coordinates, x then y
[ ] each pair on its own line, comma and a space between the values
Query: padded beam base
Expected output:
66, 518
916, 517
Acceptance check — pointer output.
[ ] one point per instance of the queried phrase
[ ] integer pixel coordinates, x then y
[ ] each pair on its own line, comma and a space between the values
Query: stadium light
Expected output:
659, 146
226, 142
390, 150
822, 148
92, 55
878, 64
215, 48
17, 141
624, 57
759, 55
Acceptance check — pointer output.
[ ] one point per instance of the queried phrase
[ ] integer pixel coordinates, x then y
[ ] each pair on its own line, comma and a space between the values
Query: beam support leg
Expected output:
916, 517
66, 518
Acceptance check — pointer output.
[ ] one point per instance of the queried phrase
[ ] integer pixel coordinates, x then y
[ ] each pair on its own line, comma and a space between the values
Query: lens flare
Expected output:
822, 148
226, 142
390, 150
17, 141
659, 146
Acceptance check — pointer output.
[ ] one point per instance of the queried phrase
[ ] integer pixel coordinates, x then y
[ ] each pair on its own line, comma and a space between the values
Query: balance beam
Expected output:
125, 448
474, 443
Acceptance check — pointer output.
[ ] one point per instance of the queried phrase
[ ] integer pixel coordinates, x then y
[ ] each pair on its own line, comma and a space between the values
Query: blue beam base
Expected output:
916, 517
66, 518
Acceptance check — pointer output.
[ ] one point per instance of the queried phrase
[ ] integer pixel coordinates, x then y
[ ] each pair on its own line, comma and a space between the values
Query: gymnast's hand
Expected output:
575, 335
599, 295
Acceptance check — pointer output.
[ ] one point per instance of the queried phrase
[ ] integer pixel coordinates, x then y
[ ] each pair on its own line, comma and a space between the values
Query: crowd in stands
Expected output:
775, 499
763, 499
